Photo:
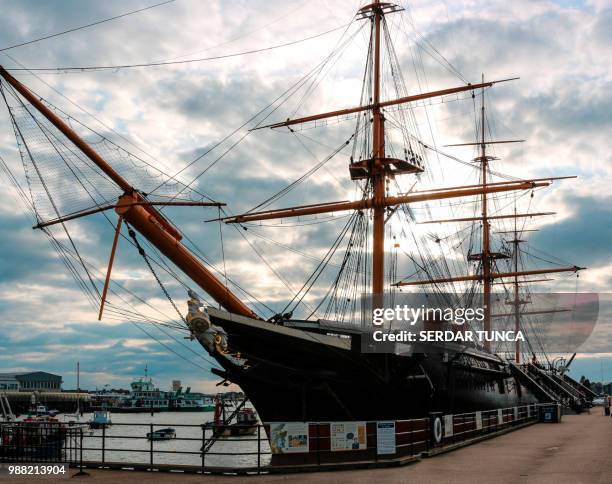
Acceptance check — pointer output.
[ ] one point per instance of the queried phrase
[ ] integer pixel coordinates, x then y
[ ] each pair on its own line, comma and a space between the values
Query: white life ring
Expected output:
437, 430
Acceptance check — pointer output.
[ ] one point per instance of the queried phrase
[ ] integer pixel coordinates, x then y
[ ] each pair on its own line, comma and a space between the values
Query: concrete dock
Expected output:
578, 450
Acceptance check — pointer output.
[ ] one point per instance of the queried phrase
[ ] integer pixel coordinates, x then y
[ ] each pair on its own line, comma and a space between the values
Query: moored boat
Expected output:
39, 437
241, 420
162, 434
100, 419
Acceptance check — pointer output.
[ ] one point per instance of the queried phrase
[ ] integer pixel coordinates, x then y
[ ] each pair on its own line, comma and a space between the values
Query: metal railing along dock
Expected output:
199, 448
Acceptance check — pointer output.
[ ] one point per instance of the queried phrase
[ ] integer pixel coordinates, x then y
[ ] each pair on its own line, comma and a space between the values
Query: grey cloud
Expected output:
111, 350
585, 237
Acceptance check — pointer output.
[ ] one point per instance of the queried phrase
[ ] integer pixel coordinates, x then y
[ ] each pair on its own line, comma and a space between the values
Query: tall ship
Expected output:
308, 361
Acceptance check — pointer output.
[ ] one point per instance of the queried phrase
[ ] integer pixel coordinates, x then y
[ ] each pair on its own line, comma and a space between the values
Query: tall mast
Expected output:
517, 316
378, 172
78, 389
485, 255
378, 167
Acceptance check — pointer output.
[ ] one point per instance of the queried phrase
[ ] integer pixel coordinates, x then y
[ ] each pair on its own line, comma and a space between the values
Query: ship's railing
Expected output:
126, 445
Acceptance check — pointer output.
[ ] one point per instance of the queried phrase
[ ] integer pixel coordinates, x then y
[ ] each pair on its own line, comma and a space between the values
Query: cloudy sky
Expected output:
172, 115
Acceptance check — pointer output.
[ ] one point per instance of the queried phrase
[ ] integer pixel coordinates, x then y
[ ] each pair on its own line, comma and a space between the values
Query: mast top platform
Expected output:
368, 11
485, 158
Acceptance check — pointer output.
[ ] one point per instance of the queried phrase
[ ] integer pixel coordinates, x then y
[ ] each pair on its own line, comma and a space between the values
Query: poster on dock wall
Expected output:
385, 437
478, 420
288, 437
448, 426
347, 435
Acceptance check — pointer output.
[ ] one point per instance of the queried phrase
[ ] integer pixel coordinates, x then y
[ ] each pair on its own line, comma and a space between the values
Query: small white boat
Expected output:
101, 419
162, 434
41, 409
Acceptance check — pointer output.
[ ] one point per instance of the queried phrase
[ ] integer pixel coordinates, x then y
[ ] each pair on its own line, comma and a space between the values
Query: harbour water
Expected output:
128, 443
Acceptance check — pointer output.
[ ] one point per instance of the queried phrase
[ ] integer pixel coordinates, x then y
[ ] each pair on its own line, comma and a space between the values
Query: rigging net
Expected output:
62, 181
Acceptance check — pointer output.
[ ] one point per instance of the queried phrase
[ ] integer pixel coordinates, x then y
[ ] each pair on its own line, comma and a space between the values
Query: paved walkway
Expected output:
579, 450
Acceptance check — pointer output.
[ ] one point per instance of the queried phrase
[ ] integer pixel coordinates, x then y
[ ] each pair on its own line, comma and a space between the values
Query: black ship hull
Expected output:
291, 374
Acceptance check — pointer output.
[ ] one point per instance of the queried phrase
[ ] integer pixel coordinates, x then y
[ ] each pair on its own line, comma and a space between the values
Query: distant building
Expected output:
8, 382
176, 385
40, 381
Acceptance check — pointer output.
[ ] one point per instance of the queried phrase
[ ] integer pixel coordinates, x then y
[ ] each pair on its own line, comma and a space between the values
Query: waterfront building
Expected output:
39, 381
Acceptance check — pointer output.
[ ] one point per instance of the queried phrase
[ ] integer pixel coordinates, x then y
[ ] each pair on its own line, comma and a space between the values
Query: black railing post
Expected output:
376, 440
17, 437
411, 427
38, 438
203, 449
17, 447
258, 449
318, 442
71, 446
151, 446
103, 443
81, 472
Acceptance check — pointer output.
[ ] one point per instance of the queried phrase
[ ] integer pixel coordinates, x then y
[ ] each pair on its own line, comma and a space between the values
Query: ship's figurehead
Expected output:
212, 337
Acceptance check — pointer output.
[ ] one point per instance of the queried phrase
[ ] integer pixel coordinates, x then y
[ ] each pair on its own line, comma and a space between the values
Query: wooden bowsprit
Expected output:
141, 213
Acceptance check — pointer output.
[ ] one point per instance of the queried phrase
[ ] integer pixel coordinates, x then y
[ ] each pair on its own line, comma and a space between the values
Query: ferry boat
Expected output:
190, 402
146, 397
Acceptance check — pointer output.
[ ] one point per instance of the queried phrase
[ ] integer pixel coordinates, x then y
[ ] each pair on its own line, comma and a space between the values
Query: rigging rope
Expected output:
284, 191
66, 255
171, 63
86, 26
285, 94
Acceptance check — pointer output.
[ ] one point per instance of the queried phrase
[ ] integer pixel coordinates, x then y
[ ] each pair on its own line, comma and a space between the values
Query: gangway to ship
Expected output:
538, 390
562, 391
569, 388
543, 379
586, 391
